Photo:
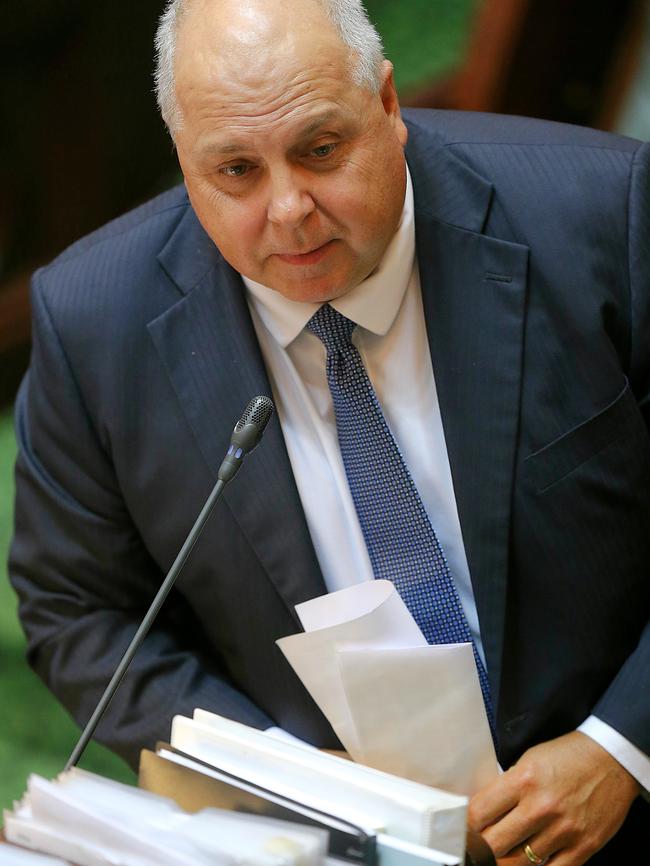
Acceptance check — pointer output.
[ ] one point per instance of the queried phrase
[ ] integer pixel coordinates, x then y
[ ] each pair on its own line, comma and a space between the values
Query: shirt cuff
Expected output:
636, 762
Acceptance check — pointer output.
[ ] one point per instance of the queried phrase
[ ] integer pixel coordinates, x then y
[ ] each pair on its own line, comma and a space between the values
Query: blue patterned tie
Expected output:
401, 542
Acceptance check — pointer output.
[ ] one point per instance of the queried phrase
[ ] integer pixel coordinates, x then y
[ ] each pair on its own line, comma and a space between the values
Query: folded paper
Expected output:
396, 703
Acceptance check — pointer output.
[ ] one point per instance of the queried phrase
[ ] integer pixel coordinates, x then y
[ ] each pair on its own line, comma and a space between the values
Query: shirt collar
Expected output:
373, 304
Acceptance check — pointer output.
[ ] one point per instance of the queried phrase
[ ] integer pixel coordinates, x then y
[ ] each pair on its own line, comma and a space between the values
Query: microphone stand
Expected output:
246, 435
145, 625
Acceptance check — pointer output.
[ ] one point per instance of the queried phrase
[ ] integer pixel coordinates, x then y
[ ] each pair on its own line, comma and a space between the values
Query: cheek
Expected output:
350, 205
368, 217
235, 226
369, 196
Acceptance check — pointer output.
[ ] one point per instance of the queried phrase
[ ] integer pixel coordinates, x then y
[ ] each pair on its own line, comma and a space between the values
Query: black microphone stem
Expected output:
146, 624
246, 435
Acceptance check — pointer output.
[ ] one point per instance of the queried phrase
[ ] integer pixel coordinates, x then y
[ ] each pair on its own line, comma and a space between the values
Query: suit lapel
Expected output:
207, 344
474, 290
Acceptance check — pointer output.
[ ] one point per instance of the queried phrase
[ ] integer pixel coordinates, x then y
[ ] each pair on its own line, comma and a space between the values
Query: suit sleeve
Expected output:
625, 706
84, 577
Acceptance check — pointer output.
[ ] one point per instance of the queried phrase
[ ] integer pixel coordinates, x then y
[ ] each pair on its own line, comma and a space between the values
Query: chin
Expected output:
318, 293
314, 297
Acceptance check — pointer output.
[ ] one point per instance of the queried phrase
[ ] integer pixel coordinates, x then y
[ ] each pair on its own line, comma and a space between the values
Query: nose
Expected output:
290, 202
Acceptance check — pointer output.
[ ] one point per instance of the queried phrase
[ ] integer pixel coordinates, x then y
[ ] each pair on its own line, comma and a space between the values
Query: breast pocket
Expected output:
563, 455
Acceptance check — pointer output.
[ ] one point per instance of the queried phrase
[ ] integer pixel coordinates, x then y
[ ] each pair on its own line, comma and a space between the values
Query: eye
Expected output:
235, 170
323, 150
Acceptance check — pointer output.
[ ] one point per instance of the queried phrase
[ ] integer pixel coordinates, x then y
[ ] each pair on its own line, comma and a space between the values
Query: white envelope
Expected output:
395, 702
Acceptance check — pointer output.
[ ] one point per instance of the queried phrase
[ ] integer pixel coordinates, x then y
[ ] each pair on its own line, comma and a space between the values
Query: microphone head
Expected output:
250, 427
258, 412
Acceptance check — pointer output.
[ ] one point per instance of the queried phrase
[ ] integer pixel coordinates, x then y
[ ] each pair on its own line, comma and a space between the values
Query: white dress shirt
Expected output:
393, 344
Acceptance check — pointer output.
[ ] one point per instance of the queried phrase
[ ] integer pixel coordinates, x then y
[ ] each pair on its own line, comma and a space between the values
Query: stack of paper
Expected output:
396, 703
93, 821
11, 856
376, 802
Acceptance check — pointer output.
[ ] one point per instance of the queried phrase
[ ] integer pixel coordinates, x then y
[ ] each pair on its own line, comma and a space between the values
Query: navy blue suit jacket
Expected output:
533, 243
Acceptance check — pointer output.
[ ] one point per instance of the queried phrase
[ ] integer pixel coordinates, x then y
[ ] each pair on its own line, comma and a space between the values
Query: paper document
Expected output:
93, 821
373, 800
396, 703
12, 856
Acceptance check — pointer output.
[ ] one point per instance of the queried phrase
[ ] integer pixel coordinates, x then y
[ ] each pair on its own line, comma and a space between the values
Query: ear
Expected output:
389, 100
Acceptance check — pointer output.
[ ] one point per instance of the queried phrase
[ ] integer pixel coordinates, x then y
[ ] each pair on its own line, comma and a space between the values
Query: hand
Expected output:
565, 798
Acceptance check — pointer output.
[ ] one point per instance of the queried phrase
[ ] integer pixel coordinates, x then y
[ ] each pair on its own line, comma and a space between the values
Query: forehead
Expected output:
251, 71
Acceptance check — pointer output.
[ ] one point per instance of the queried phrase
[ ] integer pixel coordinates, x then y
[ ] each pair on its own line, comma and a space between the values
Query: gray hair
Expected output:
348, 16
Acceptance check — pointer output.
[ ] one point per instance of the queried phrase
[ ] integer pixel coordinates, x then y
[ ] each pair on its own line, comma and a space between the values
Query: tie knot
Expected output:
332, 328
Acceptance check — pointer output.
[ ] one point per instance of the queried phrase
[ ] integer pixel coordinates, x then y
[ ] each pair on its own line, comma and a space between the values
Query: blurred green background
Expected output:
36, 734
428, 41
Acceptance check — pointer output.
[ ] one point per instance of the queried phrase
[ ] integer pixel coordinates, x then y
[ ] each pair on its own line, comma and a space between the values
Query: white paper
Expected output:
433, 727
362, 795
376, 615
365, 603
395, 702
12, 856
96, 822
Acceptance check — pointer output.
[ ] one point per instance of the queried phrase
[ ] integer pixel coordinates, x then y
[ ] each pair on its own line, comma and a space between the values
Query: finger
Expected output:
512, 831
493, 801
575, 855
541, 846
551, 844
517, 857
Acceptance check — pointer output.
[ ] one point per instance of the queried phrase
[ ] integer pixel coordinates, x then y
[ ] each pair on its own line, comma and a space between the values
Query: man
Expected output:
500, 288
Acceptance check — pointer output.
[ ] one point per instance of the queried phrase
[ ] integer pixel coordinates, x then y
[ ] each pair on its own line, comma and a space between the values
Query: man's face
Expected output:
296, 174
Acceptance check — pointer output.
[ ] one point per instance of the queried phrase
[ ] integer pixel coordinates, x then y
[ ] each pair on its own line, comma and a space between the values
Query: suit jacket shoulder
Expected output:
450, 128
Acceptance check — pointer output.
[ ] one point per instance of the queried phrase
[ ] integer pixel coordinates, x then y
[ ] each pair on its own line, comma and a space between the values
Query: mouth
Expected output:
308, 258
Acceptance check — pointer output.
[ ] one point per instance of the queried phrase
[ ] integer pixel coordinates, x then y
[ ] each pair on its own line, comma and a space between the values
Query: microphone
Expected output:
246, 435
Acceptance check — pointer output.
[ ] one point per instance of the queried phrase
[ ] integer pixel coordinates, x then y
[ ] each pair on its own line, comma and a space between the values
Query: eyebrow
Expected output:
319, 121
216, 149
